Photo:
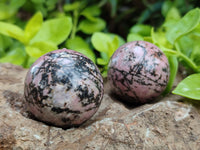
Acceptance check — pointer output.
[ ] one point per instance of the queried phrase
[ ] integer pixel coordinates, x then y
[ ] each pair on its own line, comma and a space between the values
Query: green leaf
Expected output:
38, 1
33, 25
185, 25
9, 9
196, 31
100, 41
166, 7
104, 73
79, 45
186, 45
141, 29
134, 37
195, 55
173, 14
146, 13
93, 10
54, 30
16, 4
171, 19
6, 12
38, 49
71, 7
159, 39
113, 45
106, 43
90, 17
90, 27
190, 48
121, 41
101, 61
16, 56
12, 31
104, 56
189, 87
148, 39
30, 61
5, 43
51, 4
173, 63
113, 4
194, 45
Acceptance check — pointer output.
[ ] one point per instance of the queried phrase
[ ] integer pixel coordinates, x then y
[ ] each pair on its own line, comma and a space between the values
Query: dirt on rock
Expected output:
169, 123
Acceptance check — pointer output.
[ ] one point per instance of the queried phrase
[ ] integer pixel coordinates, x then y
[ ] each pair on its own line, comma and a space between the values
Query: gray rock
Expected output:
168, 123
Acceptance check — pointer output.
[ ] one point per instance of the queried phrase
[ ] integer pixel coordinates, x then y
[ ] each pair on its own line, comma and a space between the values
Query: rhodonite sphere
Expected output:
63, 88
138, 72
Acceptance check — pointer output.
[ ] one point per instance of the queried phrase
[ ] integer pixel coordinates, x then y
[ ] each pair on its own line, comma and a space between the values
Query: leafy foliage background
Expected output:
31, 28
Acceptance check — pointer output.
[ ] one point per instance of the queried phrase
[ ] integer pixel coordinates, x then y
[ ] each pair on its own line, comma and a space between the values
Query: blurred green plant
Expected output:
8, 8
43, 6
39, 37
87, 20
36, 39
106, 44
80, 45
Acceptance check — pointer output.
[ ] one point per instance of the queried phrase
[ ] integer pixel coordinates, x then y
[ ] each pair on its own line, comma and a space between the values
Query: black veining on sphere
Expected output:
51, 66
86, 96
65, 120
69, 121
134, 74
67, 110
130, 57
165, 69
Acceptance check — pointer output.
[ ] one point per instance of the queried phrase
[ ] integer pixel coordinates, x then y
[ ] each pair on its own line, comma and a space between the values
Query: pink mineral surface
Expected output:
138, 72
63, 88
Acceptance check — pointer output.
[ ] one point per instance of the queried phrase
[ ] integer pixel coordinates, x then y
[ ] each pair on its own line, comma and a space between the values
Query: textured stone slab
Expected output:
165, 124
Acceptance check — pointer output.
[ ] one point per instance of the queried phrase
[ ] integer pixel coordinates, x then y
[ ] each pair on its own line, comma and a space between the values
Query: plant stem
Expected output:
170, 52
186, 59
75, 23
179, 54
177, 47
189, 62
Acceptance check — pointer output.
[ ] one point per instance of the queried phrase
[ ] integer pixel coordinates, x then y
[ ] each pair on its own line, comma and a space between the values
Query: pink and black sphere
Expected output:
138, 72
63, 88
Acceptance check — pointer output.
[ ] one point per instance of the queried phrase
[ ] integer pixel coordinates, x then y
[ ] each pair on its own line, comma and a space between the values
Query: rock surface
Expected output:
168, 123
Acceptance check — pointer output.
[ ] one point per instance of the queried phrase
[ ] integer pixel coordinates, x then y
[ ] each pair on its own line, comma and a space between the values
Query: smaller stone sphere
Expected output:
63, 88
138, 72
